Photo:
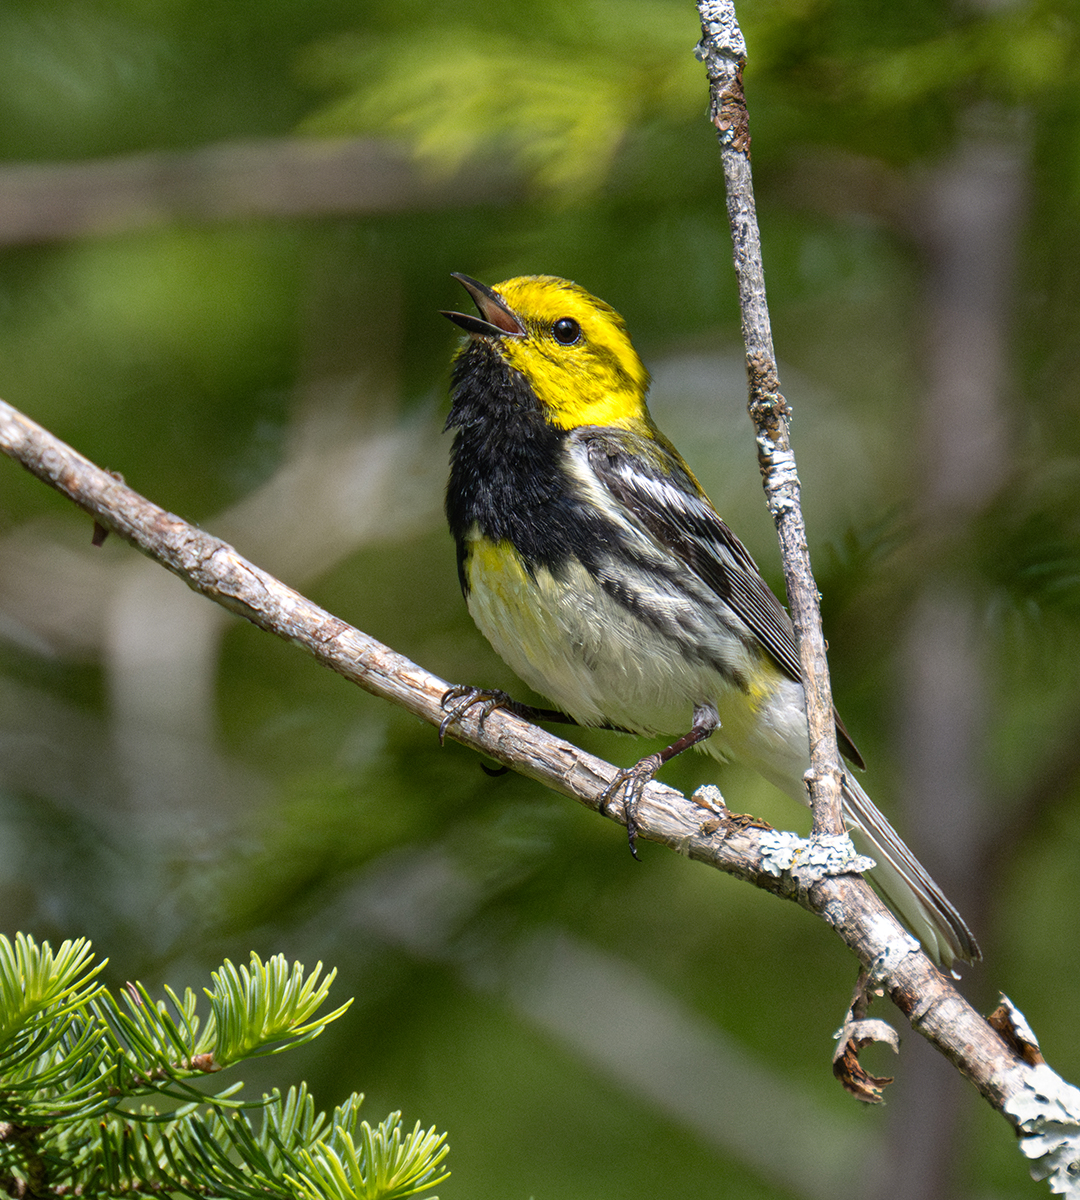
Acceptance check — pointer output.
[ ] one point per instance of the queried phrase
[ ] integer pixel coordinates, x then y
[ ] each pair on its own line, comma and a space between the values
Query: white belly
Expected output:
602, 665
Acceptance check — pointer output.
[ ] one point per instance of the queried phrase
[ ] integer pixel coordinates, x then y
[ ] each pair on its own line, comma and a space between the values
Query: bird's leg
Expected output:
634, 779
458, 700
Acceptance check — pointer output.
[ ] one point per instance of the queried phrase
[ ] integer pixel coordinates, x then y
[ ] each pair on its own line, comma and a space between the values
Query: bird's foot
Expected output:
463, 697
631, 781
459, 700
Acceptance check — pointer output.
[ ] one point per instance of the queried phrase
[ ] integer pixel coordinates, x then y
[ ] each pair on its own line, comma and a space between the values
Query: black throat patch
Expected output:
507, 473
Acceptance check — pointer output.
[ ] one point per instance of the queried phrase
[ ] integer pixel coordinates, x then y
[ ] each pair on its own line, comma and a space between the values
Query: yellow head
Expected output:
572, 348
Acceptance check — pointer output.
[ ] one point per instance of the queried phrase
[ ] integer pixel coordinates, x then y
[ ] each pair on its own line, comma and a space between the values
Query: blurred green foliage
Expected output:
559, 105
180, 787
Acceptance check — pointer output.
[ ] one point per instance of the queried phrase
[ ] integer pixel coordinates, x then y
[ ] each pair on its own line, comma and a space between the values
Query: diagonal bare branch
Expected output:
700, 827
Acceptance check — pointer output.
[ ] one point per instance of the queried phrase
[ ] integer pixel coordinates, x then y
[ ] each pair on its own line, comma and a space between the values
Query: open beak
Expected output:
495, 320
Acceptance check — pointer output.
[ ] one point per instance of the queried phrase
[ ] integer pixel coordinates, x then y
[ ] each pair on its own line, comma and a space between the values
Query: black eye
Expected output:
566, 331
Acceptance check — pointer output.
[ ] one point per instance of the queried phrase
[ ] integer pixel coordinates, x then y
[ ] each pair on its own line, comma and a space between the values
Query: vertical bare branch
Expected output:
723, 51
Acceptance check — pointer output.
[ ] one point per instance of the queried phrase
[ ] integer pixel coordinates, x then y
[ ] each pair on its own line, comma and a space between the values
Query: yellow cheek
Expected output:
578, 391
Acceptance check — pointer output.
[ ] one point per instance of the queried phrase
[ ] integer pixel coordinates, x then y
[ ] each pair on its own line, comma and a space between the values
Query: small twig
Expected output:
858, 1031
723, 51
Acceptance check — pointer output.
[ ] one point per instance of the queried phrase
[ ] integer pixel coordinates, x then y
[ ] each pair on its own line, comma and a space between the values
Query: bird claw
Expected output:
634, 780
466, 697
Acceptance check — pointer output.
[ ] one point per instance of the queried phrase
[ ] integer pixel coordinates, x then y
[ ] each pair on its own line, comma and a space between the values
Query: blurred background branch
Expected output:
273, 178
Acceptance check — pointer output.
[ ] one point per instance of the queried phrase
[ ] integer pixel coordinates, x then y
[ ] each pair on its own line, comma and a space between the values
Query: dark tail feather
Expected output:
905, 884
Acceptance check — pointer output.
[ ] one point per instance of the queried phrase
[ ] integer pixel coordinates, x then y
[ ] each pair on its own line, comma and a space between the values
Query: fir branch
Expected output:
380, 1164
33, 977
258, 1010
75, 1056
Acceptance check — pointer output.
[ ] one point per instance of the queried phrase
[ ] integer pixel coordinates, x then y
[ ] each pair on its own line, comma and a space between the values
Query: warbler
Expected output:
596, 566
